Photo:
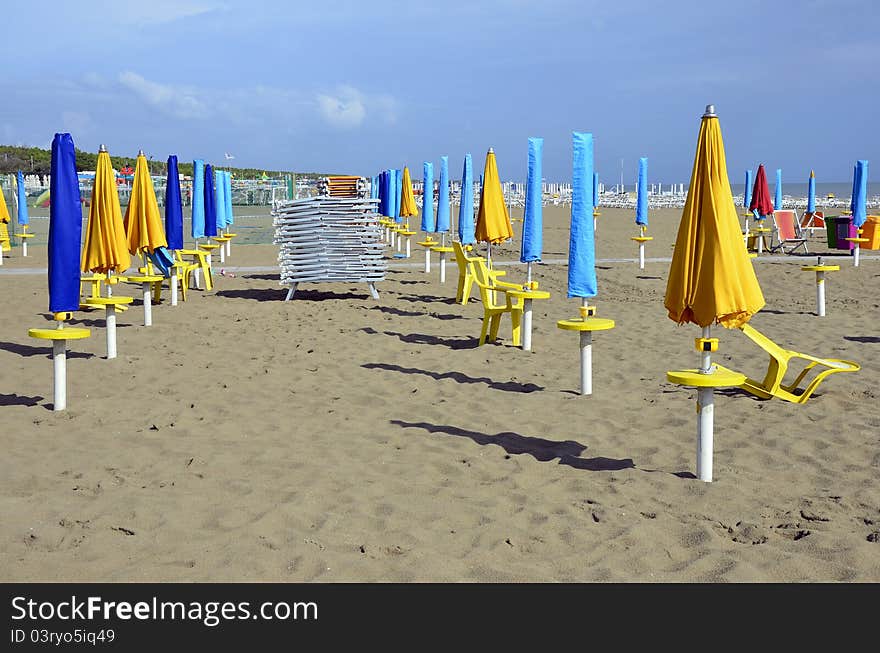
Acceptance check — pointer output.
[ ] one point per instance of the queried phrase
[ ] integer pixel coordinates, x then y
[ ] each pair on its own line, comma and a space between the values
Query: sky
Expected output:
355, 87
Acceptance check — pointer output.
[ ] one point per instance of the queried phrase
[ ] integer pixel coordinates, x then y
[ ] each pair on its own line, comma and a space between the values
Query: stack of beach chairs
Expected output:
329, 239
344, 186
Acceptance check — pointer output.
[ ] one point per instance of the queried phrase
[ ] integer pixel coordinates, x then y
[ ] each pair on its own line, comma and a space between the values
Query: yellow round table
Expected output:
59, 338
641, 240
820, 271
857, 241
528, 296
110, 305
146, 281
442, 250
586, 326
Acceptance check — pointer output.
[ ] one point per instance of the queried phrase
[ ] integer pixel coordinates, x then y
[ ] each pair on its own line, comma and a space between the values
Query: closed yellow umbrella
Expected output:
4, 220
493, 221
143, 226
711, 279
408, 206
106, 248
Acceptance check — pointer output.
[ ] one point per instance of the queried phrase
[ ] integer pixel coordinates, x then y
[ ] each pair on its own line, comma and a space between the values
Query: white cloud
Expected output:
176, 101
348, 107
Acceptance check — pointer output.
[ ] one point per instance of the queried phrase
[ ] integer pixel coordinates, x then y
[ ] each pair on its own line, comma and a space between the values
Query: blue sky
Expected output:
355, 87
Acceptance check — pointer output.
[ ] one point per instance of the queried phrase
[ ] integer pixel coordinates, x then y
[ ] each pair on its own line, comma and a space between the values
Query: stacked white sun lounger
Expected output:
329, 239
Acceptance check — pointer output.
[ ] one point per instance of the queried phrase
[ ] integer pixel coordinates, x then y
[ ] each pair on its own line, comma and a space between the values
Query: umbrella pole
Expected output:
705, 417
586, 355
110, 323
59, 362
529, 273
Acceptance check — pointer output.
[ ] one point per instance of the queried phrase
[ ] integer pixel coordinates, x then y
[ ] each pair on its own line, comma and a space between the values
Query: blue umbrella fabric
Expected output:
219, 202
444, 222
466, 226
533, 216
747, 193
860, 194
173, 207
642, 194
374, 187
65, 227
22, 199
595, 189
385, 193
811, 193
227, 178
582, 244
429, 224
398, 189
777, 193
210, 203
197, 228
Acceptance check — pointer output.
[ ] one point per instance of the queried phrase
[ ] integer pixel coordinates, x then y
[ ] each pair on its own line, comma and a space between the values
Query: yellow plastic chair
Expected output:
492, 311
772, 385
199, 260
465, 276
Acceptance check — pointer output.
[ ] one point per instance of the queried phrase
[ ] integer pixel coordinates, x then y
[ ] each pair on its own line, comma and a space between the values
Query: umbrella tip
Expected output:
141, 153
491, 150
710, 111
102, 148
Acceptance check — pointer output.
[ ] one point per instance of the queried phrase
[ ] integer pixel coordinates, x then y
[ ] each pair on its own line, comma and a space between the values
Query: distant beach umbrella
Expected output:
374, 188
429, 224
860, 195
143, 227
777, 196
533, 215
385, 189
65, 227
210, 203
811, 193
173, 206
398, 190
220, 200
197, 228
227, 178
493, 221
582, 245
105, 249
466, 204
22, 199
408, 206
642, 193
443, 210
747, 192
289, 187
761, 205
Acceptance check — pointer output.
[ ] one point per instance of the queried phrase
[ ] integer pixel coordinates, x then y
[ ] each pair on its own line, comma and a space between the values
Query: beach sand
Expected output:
337, 438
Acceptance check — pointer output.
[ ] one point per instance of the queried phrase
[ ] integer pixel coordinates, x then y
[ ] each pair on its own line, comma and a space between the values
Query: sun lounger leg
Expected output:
373, 292
705, 432
586, 362
59, 361
290, 292
110, 324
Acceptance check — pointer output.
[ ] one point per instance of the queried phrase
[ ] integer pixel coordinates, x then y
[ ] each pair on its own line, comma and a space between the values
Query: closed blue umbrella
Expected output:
860, 209
581, 246
22, 200
429, 225
398, 189
197, 228
227, 177
173, 208
642, 194
210, 203
219, 202
65, 227
443, 219
533, 215
777, 194
374, 188
852, 196
466, 234
595, 190
747, 193
811, 193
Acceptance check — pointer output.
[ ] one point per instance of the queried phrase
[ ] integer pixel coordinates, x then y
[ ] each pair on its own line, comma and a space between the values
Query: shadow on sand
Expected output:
567, 452
30, 350
458, 377
423, 339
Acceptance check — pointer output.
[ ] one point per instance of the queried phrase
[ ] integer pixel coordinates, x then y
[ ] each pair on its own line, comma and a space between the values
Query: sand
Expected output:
337, 438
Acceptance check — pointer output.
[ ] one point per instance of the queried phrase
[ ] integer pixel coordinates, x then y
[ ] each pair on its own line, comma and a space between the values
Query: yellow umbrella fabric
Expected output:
105, 248
711, 278
143, 227
408, 206
493, 221
4, 220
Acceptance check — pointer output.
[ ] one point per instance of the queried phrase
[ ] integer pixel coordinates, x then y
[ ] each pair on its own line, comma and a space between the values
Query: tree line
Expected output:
37, 161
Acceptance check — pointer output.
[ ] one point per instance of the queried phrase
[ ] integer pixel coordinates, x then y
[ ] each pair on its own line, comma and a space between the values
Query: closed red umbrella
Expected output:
761, 204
